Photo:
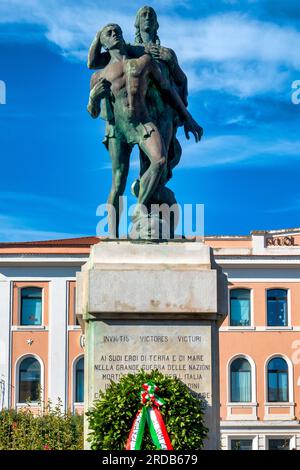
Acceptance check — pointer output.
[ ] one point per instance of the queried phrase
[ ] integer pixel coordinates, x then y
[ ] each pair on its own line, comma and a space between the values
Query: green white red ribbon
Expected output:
151, 414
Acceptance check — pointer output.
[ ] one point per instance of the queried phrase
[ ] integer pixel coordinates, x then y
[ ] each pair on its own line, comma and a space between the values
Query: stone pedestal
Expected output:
153, 306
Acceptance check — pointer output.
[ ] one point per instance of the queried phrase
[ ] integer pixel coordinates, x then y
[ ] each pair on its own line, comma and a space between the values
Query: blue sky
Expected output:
241, 58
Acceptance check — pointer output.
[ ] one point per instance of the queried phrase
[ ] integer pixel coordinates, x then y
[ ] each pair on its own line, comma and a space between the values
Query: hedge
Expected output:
50, 430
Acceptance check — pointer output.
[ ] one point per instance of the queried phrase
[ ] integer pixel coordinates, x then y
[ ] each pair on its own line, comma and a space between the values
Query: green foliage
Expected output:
111, 417
50, 430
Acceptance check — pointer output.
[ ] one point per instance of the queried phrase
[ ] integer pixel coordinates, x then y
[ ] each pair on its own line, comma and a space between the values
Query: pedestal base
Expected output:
153, 307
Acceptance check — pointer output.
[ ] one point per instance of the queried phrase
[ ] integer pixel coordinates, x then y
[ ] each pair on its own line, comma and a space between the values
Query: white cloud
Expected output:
239, 78
228, 52
215, 38
37, 201
235, 54
226, 149
284, 209
13, 229
68, 25
233, 37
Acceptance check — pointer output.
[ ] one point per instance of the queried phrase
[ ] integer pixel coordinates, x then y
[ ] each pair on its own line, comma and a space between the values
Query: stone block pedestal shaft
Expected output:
153, 306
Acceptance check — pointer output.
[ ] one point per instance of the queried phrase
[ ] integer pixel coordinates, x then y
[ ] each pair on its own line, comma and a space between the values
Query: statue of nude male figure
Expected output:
124, 84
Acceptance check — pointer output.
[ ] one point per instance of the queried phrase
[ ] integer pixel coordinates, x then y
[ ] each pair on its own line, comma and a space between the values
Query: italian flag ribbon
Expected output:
149, 413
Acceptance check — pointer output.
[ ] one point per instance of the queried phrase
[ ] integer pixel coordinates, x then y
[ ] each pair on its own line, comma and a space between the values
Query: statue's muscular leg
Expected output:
166, 132
154, 148
120, 153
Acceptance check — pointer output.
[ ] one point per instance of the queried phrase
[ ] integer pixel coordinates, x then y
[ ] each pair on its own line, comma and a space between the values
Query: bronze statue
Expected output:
141, 93
124, 83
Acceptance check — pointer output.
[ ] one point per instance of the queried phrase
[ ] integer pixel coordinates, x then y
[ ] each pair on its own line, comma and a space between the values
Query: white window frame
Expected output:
290, 405
241, 327
30, 327
17, 381
251, 437
288, 299
251, 404
292, 439
74, 364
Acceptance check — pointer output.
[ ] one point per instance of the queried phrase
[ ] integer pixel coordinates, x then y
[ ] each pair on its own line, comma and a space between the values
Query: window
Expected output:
241, 444
277, 307
240, 380
278, 380
79, 381
31, 306
239, 307
29, 380
279, 444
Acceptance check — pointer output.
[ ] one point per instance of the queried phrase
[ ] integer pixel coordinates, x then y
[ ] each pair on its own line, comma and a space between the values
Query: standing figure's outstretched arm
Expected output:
171, 94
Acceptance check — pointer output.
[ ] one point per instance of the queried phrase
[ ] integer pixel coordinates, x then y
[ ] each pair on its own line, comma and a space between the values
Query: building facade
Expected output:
260, 340
42, 348
41, 345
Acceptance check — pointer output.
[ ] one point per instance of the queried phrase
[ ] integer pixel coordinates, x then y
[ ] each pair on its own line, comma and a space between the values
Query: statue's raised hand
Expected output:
191, 125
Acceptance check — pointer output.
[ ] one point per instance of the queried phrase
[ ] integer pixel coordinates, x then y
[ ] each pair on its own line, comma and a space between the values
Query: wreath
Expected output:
113, 416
